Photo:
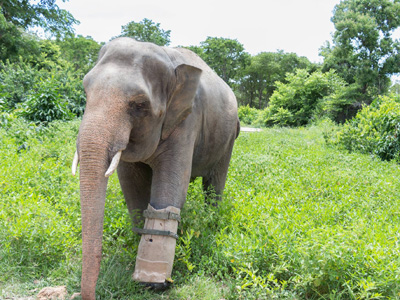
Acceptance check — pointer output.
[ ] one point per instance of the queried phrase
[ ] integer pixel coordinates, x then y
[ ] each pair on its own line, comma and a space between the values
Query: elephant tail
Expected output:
237, 128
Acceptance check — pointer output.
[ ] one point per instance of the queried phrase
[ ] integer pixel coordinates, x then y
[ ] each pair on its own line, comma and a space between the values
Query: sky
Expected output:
295, 26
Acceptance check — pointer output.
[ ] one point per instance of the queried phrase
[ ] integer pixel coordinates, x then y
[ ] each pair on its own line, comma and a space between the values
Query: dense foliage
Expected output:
304, 97
47, 88
259, 78
374, 130
299, 220
291, 89
249, 115
16, 17
363, 52
80, 51
44, 13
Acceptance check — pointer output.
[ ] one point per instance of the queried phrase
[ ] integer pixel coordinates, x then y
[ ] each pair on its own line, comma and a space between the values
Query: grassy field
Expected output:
299, 220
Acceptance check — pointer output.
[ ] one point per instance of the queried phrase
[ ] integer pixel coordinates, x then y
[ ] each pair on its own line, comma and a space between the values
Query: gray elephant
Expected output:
160, 117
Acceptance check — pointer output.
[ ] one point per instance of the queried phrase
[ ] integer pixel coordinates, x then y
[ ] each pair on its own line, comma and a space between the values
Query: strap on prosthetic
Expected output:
161, 215
157, 245
155, 232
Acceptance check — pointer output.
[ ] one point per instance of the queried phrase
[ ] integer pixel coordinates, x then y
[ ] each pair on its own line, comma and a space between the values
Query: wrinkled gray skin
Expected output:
173, 118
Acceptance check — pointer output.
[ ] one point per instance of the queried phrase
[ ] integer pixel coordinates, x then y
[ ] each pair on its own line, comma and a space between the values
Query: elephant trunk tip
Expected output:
114, 164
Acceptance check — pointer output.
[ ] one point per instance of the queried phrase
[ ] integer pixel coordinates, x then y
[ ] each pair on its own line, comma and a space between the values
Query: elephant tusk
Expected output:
75, 163
114, 164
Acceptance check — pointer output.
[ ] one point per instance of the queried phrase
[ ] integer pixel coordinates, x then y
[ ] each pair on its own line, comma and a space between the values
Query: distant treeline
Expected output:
40, 79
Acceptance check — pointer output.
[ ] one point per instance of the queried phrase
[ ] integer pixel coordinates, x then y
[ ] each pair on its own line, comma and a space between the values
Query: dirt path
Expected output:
249, 129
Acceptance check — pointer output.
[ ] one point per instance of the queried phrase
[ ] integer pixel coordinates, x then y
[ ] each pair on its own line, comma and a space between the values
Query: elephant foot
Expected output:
157, 247
155, 286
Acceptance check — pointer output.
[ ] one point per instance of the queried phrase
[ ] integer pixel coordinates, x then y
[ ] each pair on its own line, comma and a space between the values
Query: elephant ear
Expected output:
181, 101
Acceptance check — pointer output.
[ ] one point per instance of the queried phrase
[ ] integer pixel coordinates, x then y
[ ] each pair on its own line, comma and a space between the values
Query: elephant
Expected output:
160, 117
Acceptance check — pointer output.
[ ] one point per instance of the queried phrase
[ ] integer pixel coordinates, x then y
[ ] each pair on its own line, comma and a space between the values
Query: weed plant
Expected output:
299, 220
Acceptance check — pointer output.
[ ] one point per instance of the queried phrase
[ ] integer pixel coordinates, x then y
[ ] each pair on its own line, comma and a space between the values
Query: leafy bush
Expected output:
45, 103
341, 104
16, 80
19, 130
374, 130
248, 115
281, 116
304, 97
22, 85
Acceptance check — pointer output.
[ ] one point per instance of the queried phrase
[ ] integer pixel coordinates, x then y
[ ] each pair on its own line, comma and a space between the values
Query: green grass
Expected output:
299, 220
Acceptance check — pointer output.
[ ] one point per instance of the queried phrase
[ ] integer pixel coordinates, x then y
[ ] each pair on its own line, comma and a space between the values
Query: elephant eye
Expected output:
140, 106
138, 109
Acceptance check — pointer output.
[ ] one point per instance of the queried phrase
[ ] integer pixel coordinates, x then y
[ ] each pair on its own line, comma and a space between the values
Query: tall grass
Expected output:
299, 220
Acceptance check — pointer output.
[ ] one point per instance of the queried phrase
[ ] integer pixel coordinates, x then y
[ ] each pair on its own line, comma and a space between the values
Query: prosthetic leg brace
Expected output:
157, 245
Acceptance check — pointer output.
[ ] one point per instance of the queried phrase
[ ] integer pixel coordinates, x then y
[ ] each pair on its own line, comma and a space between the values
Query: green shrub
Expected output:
374, 130
281, 116
19, 130
248, 115
45, 104
16, 81
22, 85
341, 104
302, 98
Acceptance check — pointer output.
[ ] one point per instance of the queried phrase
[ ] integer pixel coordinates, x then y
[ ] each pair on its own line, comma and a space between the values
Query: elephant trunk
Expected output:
94, 161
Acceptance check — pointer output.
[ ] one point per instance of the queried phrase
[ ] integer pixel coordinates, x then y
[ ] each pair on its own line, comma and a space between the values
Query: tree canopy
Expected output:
80, 51
43, 13
357, 63
266, 68
364, 52
225, 56
147, 31
17, 17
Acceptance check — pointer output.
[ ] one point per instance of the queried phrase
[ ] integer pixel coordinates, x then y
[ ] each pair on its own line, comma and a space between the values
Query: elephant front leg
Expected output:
156, 250
135, 181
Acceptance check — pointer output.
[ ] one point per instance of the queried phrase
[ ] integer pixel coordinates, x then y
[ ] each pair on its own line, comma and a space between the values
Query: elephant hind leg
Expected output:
214, 183
135, 180
213, 189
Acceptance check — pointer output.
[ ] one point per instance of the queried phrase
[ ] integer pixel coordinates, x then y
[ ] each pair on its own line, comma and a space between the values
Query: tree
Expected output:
147, 31
44, 14
17, 17
14, 42
261, 75
81, 51
395, 89
264, 70
363, 50
225, 56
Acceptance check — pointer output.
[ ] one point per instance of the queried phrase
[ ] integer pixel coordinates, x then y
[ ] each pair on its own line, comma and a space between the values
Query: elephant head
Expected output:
136, 96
